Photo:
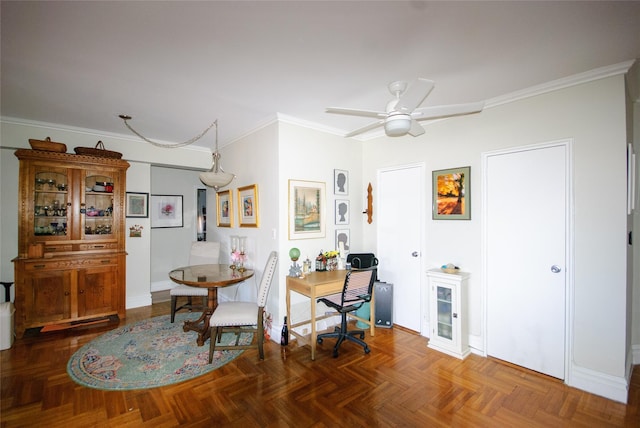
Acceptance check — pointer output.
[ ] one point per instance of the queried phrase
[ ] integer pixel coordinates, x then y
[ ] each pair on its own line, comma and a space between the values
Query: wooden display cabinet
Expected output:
71, 264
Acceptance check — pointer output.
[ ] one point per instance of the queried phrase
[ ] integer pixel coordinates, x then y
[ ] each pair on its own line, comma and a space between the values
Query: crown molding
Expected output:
533, 91
93, 133
565, 82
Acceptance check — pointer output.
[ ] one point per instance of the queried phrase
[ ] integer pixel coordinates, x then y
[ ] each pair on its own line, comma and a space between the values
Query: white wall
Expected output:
170, 246
270, 157
593, 115
138, 249
254, 160
312, 155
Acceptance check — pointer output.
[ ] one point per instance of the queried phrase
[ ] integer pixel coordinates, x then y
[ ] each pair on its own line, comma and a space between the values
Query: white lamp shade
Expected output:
397, 125
216, 179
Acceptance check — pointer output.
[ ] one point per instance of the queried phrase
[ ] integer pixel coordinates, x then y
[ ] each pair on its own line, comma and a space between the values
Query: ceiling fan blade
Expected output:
365, 128
354, 112
416, 129
438, 112
414, 95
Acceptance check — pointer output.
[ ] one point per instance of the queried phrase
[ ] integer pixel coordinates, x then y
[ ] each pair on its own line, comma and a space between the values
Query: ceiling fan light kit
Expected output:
397, 125
402, 115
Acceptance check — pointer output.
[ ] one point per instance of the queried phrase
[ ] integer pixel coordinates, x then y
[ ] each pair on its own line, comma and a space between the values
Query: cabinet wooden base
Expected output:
93, 322
461, 355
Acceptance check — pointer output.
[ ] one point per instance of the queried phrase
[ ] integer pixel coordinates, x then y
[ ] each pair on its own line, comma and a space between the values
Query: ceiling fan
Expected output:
402, 114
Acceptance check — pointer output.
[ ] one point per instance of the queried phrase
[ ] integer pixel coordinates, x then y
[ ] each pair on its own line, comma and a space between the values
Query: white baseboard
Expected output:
162, 285
138, 301
477, 345
612, 387
635, 354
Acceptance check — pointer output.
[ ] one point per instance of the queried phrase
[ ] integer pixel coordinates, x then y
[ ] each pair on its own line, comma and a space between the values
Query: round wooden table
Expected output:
210, 277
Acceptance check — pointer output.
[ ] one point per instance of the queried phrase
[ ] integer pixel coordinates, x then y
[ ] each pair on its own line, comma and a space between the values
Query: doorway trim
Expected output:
569, 244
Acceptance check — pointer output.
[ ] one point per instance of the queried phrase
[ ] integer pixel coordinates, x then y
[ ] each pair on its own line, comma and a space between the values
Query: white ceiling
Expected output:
177, 66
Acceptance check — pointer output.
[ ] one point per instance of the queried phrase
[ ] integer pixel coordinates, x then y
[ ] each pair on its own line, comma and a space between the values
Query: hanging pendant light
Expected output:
216, 177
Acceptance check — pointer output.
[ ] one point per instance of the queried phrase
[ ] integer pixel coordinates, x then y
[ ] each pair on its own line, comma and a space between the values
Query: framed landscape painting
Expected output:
452, 194
307, 209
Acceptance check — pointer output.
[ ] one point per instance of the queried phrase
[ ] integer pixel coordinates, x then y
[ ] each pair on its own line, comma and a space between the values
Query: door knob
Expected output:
555, 269
414, 254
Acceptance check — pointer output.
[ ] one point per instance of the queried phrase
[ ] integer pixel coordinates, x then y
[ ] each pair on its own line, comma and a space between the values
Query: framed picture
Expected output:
248, 206
224, 204
137, 205
166, 211
452, 194
343, 237
340, 182
306, 209
342, 211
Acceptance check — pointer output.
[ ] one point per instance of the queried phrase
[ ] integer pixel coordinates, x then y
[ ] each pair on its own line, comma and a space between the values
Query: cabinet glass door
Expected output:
98, 204
445, 312
51, 203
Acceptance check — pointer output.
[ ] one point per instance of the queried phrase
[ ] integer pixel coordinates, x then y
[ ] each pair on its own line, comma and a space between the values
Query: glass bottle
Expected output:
284, 337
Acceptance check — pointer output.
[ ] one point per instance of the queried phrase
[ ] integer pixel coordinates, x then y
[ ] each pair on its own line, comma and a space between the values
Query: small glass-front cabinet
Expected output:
447, 309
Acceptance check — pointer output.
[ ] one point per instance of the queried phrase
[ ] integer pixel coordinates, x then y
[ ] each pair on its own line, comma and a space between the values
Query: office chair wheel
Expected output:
367, 350
319, 340
361, 336
335, 353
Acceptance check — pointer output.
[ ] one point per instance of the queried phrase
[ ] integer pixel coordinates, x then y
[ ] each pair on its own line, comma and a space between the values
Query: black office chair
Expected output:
357, 290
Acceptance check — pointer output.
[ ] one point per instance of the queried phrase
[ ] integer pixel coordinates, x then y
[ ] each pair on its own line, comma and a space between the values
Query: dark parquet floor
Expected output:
401, 383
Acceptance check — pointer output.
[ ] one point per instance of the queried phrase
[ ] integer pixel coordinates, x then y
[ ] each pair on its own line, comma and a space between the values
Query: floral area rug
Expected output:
147, 354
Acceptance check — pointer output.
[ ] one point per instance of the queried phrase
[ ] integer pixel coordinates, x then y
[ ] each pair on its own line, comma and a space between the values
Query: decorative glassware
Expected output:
234, 248
242, 247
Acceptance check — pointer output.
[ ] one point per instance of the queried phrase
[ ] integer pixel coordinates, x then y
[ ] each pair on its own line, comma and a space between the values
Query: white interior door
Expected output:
526, 229
400, 222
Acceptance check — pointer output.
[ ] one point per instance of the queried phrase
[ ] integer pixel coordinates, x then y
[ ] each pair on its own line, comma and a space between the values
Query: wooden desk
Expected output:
210, 277
314, 286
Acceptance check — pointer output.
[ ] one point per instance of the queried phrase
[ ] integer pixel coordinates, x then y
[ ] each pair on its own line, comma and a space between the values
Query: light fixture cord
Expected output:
172, 146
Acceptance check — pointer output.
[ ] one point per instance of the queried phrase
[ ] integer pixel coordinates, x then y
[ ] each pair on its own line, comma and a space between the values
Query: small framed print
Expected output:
248, 206
166, 211
452, 194
340, 182
343, 238
137, 205
224, 204
342, 211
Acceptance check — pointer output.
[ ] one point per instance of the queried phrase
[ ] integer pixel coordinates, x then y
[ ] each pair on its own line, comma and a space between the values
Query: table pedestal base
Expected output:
201, 325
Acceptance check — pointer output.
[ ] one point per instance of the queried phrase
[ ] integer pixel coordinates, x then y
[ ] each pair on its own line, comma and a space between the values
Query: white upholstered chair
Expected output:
202, 253
241, 317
